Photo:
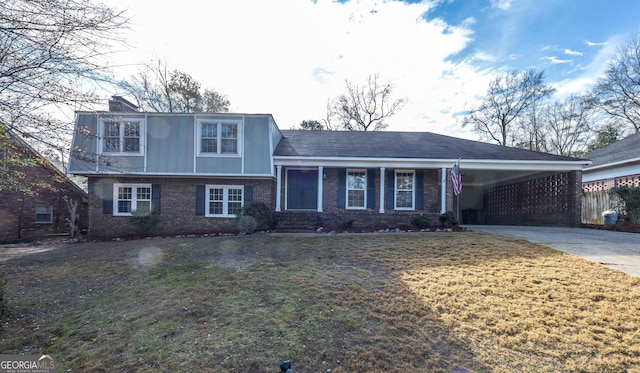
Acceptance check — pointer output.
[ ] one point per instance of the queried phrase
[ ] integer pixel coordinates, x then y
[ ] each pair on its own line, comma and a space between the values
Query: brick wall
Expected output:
606, 184
48, 187
177, 206
550, 200
334, 216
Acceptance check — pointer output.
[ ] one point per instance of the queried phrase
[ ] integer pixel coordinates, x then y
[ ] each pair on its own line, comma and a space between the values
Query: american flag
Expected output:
456, 178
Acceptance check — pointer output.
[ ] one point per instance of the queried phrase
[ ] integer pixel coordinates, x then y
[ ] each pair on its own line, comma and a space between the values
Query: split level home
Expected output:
196, 170
614, 165
35, 207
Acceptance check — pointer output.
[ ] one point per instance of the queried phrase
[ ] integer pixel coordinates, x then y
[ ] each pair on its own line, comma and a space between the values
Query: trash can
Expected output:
610, 218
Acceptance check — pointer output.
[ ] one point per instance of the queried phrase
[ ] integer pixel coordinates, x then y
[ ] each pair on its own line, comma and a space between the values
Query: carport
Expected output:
526, 192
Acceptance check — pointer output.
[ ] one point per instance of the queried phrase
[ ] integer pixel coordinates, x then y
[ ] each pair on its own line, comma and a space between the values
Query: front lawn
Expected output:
409, 302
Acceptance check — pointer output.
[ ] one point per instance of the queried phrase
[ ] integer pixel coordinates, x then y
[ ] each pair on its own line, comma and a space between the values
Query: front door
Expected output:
302, 189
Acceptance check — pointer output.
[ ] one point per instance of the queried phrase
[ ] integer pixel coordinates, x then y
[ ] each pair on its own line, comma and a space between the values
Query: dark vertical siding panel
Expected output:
200, 199
107, 199
371, 188
390, 189
155, 199
248, 194
342, 187
419, 190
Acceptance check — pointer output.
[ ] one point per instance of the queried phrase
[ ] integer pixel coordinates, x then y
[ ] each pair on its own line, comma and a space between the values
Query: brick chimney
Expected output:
120, 104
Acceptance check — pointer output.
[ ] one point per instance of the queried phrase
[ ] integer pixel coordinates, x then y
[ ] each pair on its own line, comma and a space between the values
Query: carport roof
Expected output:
413, 145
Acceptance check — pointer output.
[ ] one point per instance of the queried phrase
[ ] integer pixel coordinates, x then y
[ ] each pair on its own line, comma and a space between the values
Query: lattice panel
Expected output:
630, 181
547, 195
598, 185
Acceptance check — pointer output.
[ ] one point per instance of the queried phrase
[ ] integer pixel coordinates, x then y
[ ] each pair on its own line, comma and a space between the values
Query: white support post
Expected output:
382, 169
278, 187
320, 177
443, 191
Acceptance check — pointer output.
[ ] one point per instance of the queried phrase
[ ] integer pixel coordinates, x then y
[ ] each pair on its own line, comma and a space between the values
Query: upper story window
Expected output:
122, 136
219, 137
356, 189
131, 197
404, 191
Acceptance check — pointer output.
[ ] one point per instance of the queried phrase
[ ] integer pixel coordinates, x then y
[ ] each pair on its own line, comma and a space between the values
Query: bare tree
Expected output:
568, 126
52, 60
618, 93
507, 98
364, 107
531, 130
156, 88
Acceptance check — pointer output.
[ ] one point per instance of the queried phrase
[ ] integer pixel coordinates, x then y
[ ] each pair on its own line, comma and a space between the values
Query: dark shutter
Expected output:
371, 188
200, 199
390, 189
248, 194
107, 199
342, 187
419, 190
155, 199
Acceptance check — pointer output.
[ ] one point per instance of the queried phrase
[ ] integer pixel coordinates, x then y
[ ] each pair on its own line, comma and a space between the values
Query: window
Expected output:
218, 137
404, 190
223, 200
44, 213
122, 136
131, 197
356, 189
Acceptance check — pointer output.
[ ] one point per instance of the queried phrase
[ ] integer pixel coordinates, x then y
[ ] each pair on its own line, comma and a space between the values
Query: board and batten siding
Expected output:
170, 146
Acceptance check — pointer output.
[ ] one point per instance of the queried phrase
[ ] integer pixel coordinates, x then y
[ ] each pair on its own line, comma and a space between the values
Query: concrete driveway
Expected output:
616, 250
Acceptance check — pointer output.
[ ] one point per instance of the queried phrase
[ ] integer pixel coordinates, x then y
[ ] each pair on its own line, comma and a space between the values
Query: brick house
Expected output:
617, 164
42, 210
196, 170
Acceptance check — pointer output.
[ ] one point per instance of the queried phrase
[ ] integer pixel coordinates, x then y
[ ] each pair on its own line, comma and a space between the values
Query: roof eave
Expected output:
479, 164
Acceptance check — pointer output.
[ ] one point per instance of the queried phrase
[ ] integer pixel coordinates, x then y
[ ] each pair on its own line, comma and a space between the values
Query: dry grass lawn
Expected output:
423, 302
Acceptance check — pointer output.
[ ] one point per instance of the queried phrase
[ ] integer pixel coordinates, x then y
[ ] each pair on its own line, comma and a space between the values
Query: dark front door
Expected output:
302, 189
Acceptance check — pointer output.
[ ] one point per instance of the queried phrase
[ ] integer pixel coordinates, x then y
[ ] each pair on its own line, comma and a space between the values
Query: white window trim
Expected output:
141, 123
346, 187
50, 213
395, 191
225, 200
219, 153
134, 200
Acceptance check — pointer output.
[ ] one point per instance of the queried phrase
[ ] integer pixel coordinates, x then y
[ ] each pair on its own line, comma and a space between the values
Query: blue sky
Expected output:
288, 57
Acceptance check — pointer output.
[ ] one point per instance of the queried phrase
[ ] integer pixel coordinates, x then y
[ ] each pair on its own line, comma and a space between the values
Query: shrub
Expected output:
144, 221
347, 224
255, 216
448, 218
629, 201
421, 222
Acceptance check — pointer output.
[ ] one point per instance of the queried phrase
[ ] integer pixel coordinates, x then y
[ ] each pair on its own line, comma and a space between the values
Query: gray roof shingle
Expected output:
620, 151
384, 144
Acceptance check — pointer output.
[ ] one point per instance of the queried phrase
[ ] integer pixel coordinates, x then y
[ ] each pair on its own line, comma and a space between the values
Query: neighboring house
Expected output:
617, 164
42, 210
197, 170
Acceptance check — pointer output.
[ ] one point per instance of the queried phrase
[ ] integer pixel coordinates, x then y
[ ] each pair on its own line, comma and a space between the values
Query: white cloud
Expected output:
572, 53
289, 57
555, 60
594, 44
590, 74
501, 4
